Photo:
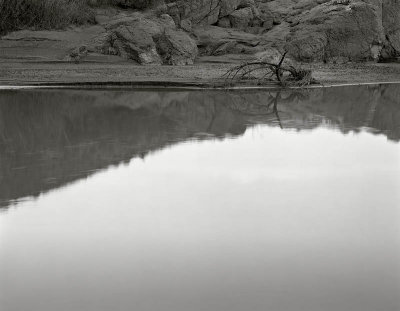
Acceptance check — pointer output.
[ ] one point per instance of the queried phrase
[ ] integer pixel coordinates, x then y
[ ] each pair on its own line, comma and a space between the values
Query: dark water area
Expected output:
200, 200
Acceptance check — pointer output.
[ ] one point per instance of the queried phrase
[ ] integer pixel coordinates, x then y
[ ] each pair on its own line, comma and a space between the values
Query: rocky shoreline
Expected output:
342, 41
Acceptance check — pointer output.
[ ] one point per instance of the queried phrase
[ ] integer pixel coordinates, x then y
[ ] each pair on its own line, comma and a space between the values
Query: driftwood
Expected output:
262, 72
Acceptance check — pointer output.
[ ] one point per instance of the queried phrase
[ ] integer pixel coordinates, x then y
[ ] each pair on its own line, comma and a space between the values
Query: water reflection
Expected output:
58, 136
215, 201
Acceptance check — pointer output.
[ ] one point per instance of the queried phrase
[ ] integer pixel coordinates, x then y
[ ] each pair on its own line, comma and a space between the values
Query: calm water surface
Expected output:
200, 201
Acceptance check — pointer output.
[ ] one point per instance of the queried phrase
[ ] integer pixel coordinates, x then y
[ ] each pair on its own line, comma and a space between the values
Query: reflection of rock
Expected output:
56, 137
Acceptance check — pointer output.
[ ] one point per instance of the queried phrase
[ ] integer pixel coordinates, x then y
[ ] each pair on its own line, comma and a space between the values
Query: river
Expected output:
178, 200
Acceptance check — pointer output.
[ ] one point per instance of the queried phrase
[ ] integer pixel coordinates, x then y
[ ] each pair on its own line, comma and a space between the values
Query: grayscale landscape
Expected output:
199, 155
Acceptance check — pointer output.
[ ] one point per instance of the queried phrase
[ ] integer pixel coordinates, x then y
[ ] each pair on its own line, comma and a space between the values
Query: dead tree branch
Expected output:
263, 71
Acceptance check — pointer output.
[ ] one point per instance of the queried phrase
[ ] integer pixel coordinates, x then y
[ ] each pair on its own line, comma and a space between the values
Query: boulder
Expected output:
250, 4
186, 25
135, 43
228, 6
391, 26
201, 12
176, 47
241, 18
174, 11
336, 28
224, 22
133, 37
267, 20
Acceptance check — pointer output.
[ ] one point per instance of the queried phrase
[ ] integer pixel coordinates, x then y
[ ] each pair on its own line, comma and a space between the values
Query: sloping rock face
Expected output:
337, 29
176, 47
135, 42
241, 18
132, 38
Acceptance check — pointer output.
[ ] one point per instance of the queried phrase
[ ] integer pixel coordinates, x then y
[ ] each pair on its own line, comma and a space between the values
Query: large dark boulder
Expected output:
176, 47
241, 18
132, 37
149, 39
133, 42
337, 29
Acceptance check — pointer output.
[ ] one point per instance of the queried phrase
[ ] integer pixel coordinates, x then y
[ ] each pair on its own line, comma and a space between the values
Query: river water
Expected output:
200, 200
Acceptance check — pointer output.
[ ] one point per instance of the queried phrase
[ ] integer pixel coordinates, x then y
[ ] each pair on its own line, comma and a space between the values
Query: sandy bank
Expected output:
202, 74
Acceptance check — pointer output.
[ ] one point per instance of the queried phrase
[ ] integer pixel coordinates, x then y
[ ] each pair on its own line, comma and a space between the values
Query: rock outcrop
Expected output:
167, 31
337, 29
149, 40
347, 29
310, 30
241, 18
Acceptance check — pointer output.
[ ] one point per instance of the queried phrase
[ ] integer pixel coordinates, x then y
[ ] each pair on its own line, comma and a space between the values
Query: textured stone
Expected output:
336, 29
133, 38
224, 22
186, 25
228, 6
241, 18
213, 40
138, 4
391, 26
135, 43
176, 47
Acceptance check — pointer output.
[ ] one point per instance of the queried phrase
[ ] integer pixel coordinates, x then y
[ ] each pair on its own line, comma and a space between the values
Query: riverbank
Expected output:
202, 74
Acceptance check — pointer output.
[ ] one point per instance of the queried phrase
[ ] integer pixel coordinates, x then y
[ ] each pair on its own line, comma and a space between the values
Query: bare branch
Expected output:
261, 70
